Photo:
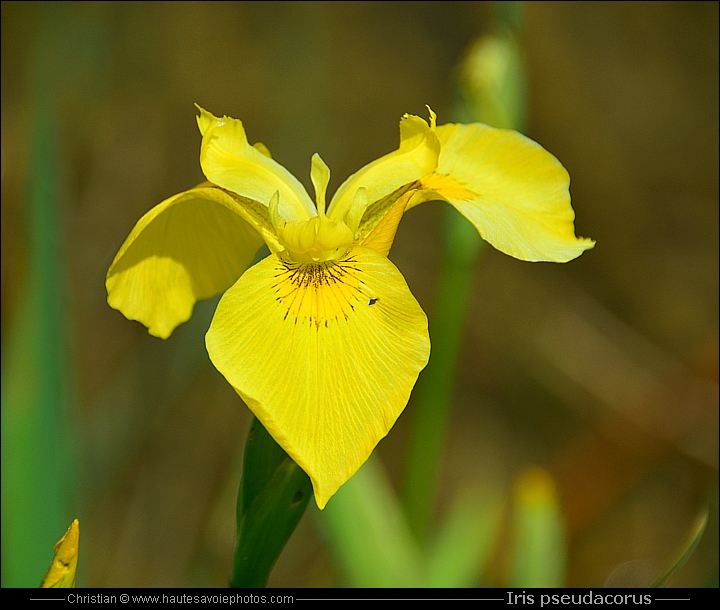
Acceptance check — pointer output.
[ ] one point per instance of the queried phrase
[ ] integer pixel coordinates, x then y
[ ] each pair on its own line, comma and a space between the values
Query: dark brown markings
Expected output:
303, 276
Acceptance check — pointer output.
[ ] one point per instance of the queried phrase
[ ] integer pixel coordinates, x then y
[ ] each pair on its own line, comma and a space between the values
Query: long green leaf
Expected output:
466, 540
37, 485
368, 534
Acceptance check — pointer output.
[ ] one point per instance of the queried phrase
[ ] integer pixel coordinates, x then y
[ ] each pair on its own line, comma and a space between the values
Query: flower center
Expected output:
316, 239
319, 293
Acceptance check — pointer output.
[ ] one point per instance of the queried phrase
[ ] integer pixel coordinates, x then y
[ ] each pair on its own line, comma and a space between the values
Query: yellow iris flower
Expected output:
322, 339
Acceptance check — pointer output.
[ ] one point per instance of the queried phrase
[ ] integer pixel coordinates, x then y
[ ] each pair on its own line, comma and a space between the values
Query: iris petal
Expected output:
513, 191
325, 355
228, 160
415, 158
383, 233
190, 247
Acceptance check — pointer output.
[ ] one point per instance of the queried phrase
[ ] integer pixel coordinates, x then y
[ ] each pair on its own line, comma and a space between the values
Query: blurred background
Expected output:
604, 371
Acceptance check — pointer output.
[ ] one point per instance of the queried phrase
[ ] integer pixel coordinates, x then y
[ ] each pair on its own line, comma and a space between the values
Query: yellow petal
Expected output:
325, 355
416, 157
513, 191
228, 160
320, 176
317, 239
190, 247
61, 573
382, 236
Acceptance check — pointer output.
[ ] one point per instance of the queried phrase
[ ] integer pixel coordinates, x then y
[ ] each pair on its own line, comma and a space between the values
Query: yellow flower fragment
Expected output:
61, 573
322, 339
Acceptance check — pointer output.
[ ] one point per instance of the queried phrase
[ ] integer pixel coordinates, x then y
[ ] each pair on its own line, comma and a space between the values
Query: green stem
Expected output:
38, 466
433, 396
273, 495
497, 96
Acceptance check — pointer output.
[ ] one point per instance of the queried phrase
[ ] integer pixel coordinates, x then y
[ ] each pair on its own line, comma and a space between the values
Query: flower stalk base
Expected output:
274, 493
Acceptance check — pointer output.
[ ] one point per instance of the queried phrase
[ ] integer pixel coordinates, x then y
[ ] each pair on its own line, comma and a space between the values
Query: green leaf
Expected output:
37, 437
274, 494
691, 542
466, 540
368, 534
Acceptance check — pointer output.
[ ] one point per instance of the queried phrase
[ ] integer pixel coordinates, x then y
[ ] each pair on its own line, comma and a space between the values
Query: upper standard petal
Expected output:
415, 158
228, 160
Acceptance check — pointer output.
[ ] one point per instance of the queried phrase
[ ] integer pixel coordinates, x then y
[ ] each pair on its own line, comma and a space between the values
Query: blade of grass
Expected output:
688, 548
367, 532
465, 540
37, 480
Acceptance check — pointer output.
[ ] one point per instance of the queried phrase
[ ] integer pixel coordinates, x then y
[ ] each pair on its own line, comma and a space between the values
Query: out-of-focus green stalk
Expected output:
433, 396
491, 89
465, 541
539, 549
368, 534
37, 481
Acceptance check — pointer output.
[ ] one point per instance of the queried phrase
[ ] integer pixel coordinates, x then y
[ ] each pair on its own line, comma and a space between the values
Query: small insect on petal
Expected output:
373, 300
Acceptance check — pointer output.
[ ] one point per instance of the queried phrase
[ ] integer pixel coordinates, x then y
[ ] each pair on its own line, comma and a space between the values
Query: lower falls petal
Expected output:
189, 247
324, 354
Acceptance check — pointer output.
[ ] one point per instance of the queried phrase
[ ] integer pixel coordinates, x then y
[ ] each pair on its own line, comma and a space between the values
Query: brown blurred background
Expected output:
603, 370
